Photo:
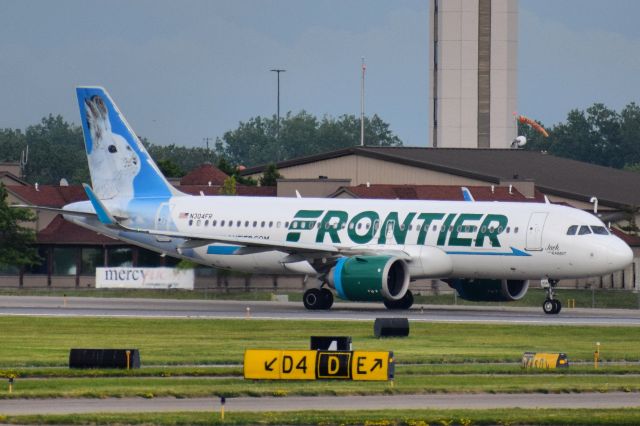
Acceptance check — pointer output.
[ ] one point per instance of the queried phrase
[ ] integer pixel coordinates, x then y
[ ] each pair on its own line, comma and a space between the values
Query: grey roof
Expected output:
552, 175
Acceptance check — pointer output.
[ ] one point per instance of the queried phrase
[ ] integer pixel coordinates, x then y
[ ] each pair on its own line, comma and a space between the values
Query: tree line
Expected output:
597, 135
56, 147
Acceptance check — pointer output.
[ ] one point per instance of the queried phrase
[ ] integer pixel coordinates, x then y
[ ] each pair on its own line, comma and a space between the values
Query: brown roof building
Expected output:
205, 174
434, 192
559, 178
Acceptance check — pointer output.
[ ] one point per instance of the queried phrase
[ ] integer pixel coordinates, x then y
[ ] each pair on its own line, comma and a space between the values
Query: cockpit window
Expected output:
572, 230
584, 230
600, 230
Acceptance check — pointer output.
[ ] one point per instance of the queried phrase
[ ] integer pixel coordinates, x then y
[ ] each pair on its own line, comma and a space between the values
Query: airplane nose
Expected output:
619, 255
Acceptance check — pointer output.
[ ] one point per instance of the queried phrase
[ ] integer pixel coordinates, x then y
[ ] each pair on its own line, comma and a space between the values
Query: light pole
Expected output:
206, 142
278, 71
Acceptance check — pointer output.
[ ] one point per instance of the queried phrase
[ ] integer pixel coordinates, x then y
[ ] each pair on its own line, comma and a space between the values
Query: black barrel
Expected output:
391, 327
104, 358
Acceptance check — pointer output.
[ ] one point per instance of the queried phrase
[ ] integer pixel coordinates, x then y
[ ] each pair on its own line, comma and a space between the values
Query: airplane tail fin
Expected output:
119, 164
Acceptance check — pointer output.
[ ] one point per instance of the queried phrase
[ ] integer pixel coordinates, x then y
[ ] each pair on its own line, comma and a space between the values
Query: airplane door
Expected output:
534, 231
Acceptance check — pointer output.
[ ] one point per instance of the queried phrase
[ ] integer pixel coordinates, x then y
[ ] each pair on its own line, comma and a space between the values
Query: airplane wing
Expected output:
246, 245
252, 246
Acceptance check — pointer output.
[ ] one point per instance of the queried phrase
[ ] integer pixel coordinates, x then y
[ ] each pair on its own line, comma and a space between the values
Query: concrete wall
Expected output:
360, 170
13, 168
473, 73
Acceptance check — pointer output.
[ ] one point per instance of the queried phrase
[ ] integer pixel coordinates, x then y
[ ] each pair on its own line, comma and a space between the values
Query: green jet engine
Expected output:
370, 278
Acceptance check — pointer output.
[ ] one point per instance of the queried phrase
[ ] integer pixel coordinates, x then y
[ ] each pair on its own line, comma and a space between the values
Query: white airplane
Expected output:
365, 250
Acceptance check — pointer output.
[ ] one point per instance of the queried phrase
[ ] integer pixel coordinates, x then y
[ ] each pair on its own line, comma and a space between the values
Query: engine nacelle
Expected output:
486, 290
370, 278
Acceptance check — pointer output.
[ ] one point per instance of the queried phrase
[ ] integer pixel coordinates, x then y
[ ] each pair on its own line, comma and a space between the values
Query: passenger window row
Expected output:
238, 223
300, 224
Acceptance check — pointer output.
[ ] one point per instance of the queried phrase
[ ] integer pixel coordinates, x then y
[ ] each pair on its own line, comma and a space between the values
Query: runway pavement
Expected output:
172, 308
299, 403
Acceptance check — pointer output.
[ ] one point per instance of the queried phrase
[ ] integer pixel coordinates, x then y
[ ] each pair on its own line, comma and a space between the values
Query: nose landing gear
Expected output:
551, 305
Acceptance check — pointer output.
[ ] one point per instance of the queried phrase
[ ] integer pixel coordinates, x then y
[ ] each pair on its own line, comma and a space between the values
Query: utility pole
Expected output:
278, 71
364, 68
206, 142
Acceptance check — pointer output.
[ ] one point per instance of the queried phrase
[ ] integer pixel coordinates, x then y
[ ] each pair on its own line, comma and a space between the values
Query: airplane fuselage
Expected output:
478, 239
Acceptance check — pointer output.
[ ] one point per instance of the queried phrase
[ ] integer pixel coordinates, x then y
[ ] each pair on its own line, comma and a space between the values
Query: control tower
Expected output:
473, 73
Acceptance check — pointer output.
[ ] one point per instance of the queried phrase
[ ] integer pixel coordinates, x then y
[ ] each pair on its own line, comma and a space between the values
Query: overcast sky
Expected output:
185, 70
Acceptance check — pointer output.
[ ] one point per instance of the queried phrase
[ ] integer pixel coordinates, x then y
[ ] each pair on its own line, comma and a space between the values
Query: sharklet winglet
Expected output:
466, 194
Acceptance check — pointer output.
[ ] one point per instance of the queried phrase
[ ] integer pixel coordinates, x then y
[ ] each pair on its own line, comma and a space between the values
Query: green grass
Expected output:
168, 371
618, 416
37, 341
182, 387
172, 351
236, 371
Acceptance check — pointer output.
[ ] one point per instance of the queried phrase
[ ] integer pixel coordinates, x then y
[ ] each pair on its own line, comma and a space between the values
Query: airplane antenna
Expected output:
364, 68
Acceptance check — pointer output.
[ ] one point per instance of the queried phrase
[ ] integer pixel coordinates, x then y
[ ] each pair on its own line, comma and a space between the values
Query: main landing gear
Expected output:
551, 305
317, 299
402, 304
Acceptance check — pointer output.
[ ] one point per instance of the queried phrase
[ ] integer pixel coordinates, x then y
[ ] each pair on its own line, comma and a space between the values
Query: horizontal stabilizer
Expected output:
103, 214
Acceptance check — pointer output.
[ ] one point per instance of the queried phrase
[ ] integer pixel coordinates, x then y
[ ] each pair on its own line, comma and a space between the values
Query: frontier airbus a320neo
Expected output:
364, 250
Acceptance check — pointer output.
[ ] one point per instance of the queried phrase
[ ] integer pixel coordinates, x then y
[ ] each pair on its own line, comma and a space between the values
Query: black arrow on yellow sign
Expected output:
377, 364
269, 365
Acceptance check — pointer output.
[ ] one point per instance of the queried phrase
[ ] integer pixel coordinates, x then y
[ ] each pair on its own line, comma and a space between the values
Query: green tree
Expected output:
229, 186
169, 168
270, 176
12, 143
635, 167
230, 170
56, 151
16, 242
184, 158
225, 166
597, 135
630, 133
257, 142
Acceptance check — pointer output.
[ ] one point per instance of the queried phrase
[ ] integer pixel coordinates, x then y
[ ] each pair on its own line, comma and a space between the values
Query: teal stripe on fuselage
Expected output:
514, 252
222, 250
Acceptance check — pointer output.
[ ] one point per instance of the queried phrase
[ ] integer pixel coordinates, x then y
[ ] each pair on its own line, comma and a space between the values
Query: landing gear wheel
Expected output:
312, 299
558, 306
327, 299
405, 303
552, 306
549, 306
